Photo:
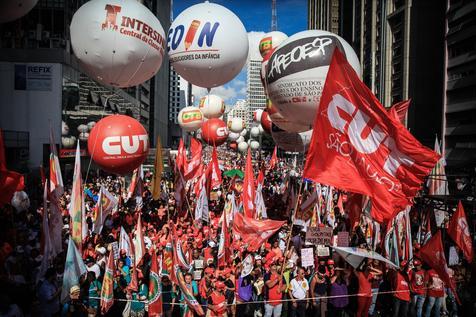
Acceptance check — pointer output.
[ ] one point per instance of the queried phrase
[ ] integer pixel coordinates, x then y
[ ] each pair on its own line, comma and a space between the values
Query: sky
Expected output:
256, 17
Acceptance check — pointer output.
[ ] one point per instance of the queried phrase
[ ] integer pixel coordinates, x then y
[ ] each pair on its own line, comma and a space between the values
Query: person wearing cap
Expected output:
48, 294
74, 306
123, 256
364, 300
205, 284
401, 296
319, 285
435, 294
298, 293
418, 281
217, 301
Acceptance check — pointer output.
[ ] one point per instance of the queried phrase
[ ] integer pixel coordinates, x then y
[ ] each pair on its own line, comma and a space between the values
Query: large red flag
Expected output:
255, 232
434, 255
357, 146
458, 230
274, 158
213, 172
155, 287
193, 168
181, 158
399, 110
248, 188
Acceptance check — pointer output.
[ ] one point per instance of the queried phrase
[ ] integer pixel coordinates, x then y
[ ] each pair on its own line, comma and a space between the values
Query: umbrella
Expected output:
355, 256
233, 173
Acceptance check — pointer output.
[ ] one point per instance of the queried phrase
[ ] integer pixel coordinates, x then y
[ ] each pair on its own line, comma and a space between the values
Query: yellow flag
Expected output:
158, 171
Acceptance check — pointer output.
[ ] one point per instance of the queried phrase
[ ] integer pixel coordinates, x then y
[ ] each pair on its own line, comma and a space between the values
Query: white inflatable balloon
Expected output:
254, 145
64, 128
11, 10
257, 115
254, 132
83, 136
233, 136
283, 122
297, 71
212, 106
241, 139
244, 132
118, 43
207, 45
68, 142
290, 141
91, 125
261, 130
236, 125
83, 128
271, 40
190, 119
242, 147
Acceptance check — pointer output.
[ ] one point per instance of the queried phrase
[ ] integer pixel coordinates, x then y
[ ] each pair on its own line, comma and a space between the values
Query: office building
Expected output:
256, 98
176, 103
240, 110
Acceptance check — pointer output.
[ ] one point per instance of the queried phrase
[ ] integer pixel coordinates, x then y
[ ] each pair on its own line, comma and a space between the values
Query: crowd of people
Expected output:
275, 282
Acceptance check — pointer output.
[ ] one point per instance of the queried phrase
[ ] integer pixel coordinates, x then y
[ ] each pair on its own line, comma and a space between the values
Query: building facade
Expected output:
240, 110
256, 99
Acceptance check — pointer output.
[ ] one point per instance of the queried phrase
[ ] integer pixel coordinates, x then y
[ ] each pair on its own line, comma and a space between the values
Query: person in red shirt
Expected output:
217, 301
274, 292
401, 297
436, 292
418, 281
364, 277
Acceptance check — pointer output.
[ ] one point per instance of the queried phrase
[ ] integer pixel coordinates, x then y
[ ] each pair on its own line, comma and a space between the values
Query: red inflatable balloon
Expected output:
214, 132
118, 144
266, 121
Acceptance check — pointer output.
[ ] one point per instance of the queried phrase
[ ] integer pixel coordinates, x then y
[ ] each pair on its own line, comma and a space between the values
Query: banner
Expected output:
76, 207
107, 290
319, 235
356, 146
458, 229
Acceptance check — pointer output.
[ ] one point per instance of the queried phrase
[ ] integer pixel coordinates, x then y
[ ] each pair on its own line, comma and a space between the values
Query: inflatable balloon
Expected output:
283, 123
207, 45
20, 201
212, 106
290, 141
243, 147
233, 145
271, 40
243, 132
240, 139
261, 130
254, 145
264, 65
91, 125
118, 43
82, 128
266, 121
233, 136
83, 136
254, 132
11, 10
214, 132
236, 125
118, 144
68, 142
190, 119
257, 115
297, 71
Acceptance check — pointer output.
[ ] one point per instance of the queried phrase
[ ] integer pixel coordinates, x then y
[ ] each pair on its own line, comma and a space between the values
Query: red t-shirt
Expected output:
274, 293
216, 298
365, 285
401, 288
418, 281
436, 286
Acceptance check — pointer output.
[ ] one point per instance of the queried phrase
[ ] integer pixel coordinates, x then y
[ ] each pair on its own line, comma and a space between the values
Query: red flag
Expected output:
181, 158
248, 188
434, 255
10, 182
274, 158
354, 207
213, 172
260, 179
458, 230
255, 232
138, 241
357, 146
107, 290
155, 288
193, 168
399, 110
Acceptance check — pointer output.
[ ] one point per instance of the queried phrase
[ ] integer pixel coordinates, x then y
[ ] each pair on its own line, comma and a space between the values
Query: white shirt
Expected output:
299, 288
